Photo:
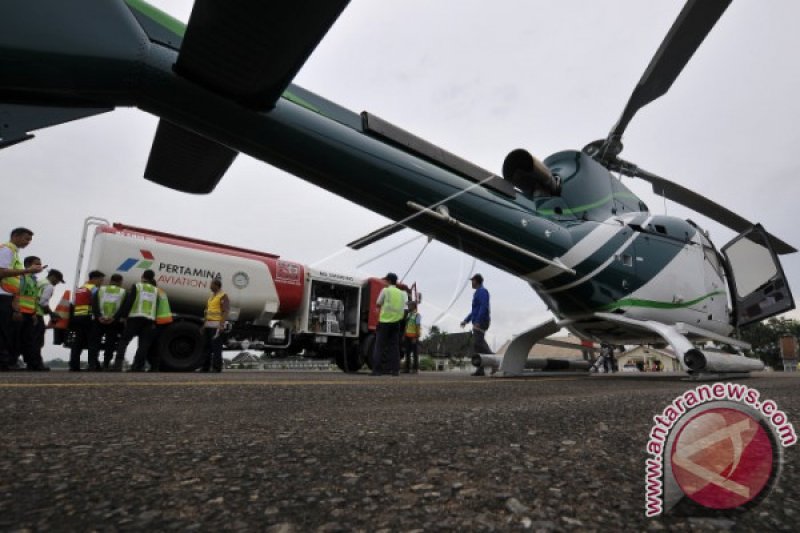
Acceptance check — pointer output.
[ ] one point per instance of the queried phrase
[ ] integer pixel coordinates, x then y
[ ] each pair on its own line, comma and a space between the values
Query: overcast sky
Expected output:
478, 79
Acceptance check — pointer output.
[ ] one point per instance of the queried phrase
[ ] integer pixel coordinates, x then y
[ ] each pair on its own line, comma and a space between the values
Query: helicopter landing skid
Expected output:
700, 364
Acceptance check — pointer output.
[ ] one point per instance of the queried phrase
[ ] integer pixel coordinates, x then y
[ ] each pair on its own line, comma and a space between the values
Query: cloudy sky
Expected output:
478, 79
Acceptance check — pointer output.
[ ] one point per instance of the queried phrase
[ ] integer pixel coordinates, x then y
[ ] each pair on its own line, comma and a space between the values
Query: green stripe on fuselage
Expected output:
655, 304
587, 207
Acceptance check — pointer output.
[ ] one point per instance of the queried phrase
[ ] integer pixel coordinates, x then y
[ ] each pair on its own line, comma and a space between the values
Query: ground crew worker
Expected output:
138, 312
43, 311
411, 338
27, 327
11, 268
80, 322
106, 329
217, 309
391, 302
163, 318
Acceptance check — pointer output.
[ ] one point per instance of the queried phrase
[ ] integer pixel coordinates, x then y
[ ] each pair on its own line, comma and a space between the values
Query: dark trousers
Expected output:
29, 341
213, 359
410, 347
145, 330
479, 345
80, 327
105, 337
7, 351
387, 348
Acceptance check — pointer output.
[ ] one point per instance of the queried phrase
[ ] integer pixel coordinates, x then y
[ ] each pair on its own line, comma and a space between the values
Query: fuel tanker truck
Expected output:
283, 307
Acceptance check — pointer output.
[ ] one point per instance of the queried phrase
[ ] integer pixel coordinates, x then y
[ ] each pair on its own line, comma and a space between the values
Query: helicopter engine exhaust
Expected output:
530, 175
699, 361
489, 361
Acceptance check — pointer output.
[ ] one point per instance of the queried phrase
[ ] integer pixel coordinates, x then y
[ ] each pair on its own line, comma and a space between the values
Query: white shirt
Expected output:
6, 257
47, 293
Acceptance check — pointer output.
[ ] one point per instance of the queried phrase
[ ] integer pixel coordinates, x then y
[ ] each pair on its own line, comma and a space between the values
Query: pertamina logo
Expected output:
145, 262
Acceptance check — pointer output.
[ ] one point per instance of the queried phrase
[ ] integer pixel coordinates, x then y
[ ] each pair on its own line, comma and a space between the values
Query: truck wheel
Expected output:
366, 348
181, 347
354, 362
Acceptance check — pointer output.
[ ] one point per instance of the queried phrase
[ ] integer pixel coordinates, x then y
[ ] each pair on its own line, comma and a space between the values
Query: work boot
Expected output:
479, 372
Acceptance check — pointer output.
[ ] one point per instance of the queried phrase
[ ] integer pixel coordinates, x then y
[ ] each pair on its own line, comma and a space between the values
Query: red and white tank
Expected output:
260, 286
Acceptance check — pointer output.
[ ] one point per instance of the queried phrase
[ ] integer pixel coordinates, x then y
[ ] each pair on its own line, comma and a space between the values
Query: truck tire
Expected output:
366, 347
181, 347
353, 354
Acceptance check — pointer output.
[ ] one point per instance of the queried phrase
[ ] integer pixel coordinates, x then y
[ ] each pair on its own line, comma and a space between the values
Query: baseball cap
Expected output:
57, 274
391, 277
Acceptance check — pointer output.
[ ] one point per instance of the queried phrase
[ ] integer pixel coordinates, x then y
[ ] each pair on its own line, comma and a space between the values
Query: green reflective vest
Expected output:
144, 305
394, 301
28, 291
109, 300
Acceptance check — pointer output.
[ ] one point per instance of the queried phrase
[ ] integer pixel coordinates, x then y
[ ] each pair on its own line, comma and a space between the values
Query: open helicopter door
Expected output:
758, 285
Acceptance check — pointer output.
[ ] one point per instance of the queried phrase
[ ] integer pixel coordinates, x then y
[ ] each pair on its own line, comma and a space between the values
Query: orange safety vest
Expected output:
412, 328
10, 284
62, 310
83, 300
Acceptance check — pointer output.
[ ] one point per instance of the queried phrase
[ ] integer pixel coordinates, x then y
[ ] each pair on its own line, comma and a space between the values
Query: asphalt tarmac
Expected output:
324, 451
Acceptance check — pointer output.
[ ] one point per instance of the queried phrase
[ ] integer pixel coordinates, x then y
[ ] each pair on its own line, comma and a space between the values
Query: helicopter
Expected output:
607, 268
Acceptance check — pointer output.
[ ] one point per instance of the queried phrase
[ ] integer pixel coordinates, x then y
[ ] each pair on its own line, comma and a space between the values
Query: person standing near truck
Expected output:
80, 322
107, 301
217, 309
391, 302
411, 337
138, 312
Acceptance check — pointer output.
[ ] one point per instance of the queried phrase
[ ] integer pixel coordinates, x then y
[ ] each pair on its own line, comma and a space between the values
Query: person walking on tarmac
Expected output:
480, 317
138, 312
107, 301
217, 309
11, 269
411, 336
391, 302
80, 322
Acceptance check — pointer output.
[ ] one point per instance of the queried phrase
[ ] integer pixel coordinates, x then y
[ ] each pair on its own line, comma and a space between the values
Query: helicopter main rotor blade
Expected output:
684, 37
703, 205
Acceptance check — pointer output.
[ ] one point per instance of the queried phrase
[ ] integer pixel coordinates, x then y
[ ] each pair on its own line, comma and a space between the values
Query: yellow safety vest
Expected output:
163, 311
412, 328
28, 292
109, 300
11, 284
144, 305
214, 307
394, 301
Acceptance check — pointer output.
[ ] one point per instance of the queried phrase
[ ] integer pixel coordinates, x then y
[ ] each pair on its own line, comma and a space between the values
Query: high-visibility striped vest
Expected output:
146, 301
412, 328
163, 311
109, 300
394, 301
214, 307
83, 300
40, 285
28, 293
11, 283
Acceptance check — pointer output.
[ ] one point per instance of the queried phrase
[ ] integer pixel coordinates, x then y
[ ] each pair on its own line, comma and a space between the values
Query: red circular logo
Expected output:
722, 458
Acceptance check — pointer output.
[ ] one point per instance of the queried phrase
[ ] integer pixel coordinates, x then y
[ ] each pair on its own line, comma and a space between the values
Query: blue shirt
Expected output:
480, 313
